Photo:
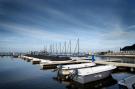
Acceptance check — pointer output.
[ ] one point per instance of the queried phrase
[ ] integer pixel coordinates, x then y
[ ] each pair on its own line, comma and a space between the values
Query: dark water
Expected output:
16, 73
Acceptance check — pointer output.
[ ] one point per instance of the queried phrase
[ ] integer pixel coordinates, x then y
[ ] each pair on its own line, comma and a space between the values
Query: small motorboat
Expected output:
69, 69
91, 74
128, 82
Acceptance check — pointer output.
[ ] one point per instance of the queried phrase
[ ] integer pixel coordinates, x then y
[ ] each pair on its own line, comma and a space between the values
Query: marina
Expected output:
48, 63
38, 75
83, 71
67, 44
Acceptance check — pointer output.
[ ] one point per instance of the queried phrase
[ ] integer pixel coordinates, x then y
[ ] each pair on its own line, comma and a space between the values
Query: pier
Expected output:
53, 64
116, 64
129, 66
36, 61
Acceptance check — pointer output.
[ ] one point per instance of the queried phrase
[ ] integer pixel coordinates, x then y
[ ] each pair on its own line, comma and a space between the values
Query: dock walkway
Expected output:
116, 64
55, 63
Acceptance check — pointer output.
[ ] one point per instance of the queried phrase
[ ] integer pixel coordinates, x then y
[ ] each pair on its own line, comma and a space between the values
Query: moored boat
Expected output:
91, 74
67, 69
128, 82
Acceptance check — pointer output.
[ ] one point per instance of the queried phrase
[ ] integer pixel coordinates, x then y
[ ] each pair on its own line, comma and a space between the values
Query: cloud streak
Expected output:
100, 25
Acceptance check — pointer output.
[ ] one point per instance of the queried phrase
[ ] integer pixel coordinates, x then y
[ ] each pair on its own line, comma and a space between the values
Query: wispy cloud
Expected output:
39, 33
99, 25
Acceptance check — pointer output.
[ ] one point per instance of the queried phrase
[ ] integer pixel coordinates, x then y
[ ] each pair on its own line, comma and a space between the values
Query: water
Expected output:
16, 73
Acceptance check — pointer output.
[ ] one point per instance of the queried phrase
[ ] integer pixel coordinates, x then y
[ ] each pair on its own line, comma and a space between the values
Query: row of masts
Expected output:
63, 49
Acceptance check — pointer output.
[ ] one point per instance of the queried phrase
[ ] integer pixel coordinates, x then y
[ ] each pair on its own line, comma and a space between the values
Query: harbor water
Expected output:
16, 73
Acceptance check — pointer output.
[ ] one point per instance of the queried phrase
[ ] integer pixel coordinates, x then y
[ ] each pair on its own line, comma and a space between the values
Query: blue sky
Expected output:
100, 24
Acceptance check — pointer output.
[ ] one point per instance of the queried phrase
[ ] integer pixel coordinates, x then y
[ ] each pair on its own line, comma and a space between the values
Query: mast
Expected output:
53, 48
78, 46
46, 49
50, 48
65, 48
56, 49
70, 46
60, 47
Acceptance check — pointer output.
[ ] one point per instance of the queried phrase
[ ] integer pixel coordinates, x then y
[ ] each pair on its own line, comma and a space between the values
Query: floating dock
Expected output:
36, 61
53, 64
116, 64
128, 66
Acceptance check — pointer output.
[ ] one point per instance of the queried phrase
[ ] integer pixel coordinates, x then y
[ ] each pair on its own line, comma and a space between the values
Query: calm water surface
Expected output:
16, 73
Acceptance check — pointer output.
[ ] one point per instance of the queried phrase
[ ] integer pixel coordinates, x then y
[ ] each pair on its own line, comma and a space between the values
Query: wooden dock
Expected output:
36, 61
116, 64
129, 65
123, 66
53, 64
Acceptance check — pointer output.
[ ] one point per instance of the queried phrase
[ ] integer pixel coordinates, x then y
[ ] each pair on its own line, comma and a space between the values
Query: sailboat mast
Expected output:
78, 46
56, 49
65, 48
53, 48
70, 46
60, 47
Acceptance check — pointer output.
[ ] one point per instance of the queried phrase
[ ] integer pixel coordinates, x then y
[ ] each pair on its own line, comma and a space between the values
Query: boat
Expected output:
128, 82
69, 69
91, 74
100, 84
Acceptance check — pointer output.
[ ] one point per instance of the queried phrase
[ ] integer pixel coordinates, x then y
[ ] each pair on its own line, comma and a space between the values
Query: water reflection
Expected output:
93, 85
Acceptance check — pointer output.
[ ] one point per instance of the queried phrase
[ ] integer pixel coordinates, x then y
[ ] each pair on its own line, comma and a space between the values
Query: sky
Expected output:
27, 25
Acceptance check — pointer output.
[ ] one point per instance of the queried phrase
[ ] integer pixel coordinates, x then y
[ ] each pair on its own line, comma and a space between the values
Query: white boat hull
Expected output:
92, 77
69, 69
